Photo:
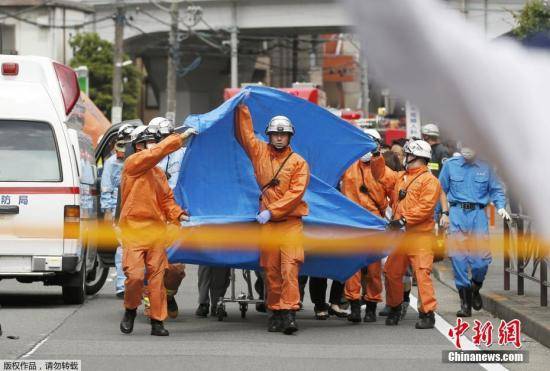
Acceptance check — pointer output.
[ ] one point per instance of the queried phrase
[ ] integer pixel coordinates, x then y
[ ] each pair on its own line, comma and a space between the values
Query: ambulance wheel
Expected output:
244, 308
221, 312
74, 289
97, 277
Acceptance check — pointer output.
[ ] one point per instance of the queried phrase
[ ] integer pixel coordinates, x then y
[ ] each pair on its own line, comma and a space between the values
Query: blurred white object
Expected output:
504, 214
492, 95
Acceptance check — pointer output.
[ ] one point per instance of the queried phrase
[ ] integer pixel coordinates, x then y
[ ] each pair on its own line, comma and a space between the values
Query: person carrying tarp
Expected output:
359, 185
147, 207
283, 177
175, 273
414, 196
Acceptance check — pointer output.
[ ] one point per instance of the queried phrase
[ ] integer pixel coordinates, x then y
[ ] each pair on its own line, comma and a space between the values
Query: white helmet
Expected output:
137, 132
124, 132
280, 124
430, 130
161, 126
418, 148
374, 134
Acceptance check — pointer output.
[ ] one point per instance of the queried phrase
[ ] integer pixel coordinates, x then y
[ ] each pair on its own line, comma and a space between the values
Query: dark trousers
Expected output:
318, 291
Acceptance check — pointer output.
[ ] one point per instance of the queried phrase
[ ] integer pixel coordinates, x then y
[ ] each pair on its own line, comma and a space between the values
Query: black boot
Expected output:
394, 315
202, 310
355, 315
477, 303
427, 321
127, 323
275, 322
289, 322
465, 294
157, 328
370, 312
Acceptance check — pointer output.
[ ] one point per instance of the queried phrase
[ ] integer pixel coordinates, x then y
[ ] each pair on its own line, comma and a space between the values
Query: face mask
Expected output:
468, 154
366, 157
407, 162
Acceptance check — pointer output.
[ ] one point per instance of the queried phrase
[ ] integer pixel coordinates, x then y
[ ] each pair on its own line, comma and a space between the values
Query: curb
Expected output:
501, 307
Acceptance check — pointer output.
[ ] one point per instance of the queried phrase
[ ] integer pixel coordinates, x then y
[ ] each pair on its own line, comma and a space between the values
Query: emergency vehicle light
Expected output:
71, 228
351, 115
69, 85
10, 69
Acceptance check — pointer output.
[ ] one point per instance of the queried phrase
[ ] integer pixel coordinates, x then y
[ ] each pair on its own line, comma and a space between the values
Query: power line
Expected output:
45, 25
25, 10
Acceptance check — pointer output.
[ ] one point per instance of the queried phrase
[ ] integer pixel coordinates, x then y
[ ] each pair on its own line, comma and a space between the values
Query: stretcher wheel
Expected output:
221, 312
243, 308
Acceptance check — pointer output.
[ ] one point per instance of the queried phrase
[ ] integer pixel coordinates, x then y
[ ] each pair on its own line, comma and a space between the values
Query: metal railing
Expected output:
524, 255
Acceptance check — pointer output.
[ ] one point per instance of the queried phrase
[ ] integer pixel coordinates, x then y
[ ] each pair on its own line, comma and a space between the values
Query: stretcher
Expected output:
243, 299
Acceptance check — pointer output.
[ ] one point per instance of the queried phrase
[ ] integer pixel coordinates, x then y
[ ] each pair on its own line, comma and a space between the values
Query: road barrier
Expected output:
524, 255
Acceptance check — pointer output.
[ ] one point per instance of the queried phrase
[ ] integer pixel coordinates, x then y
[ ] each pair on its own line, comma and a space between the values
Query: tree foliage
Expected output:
535, 17
97, 54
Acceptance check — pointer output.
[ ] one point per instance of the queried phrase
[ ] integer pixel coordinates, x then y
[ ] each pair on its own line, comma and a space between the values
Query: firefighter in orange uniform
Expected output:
283, 177
359, 185
414, 198
147, 207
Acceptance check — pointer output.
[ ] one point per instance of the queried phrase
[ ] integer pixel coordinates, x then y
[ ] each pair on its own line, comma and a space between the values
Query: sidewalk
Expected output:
507, 305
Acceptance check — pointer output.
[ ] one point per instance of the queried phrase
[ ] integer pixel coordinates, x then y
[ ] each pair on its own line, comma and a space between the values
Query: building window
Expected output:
7, 39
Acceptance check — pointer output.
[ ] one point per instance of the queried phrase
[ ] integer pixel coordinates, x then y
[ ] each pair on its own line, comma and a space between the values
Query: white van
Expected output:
48, 187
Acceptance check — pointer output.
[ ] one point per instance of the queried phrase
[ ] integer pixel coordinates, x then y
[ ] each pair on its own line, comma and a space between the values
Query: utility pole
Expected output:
365, 99
171, 78
116, 110
294, 59
234, 50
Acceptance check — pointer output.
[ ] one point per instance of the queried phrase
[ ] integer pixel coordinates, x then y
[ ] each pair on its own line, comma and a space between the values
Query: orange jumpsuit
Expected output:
375, 200
147, 207
284, 200
423, 191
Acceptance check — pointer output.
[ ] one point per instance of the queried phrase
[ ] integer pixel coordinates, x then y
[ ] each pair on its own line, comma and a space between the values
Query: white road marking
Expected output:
35, 348
41, 342
443, 327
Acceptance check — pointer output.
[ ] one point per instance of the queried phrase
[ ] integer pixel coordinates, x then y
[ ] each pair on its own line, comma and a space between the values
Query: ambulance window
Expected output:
28, 152
87, 162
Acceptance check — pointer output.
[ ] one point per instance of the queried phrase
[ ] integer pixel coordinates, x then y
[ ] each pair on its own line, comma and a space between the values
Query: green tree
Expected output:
97, 54
535, 17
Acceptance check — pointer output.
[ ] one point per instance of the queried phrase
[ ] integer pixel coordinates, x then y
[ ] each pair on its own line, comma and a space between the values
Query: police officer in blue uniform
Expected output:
469, 184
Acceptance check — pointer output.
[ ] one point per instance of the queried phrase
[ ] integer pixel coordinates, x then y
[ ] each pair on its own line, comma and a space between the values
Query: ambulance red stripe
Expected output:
41, 190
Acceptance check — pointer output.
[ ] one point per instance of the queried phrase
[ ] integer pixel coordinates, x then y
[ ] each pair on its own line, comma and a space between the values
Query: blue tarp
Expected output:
217, 183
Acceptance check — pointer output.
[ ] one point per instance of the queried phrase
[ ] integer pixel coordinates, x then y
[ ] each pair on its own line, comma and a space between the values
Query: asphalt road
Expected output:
46, 329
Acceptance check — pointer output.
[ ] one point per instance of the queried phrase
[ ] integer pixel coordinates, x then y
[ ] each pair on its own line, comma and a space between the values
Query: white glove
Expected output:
187, 133
263, 217
504, 214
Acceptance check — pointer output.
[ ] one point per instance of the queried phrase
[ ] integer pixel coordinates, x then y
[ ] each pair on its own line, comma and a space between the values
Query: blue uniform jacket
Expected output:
171, 165
475, 183
110, 180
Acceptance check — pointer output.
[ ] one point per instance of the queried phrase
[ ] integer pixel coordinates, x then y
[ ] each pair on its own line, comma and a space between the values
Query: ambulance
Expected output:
48, 182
